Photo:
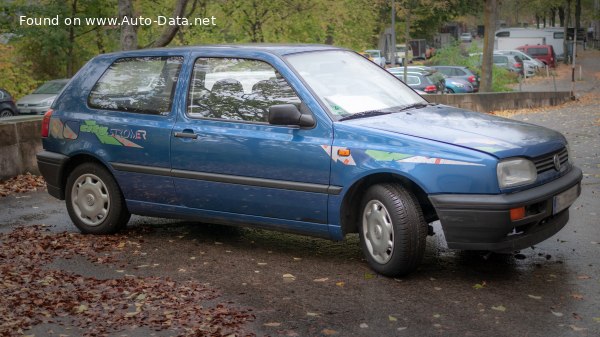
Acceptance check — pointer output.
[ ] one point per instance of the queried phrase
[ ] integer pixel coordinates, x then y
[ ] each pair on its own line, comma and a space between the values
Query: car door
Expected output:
227, 159
129, 124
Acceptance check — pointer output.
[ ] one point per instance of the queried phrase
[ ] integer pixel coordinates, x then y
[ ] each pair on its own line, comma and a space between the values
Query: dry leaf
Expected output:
499, 308
272, 324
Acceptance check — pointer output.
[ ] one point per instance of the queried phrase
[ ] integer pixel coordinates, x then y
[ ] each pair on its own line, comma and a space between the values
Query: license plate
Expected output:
24, 111
565, 199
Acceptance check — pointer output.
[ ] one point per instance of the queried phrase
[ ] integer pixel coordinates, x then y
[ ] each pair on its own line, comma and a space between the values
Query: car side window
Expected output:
138, 84
413, 80
458, 72
236, 89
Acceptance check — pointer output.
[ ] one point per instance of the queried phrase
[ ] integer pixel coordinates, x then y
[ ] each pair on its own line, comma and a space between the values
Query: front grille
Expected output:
546, 162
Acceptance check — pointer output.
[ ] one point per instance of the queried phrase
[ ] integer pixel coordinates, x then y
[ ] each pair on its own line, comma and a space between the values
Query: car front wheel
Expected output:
392, 230
6, 113
94, 201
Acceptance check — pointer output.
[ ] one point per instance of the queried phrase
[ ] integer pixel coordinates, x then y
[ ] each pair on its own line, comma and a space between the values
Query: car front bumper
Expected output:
483, 222
33, 110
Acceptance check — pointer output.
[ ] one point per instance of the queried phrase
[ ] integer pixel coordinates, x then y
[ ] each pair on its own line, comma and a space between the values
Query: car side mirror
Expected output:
288, 114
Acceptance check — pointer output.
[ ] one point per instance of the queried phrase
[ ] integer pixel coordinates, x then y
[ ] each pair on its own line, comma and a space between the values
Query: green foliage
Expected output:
456, 55
502, 79
17, 77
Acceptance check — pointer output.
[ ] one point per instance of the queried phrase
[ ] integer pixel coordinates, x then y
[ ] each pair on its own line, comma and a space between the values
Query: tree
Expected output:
489, 21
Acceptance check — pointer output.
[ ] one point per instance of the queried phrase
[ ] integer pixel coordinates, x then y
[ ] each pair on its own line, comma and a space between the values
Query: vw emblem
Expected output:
556, 162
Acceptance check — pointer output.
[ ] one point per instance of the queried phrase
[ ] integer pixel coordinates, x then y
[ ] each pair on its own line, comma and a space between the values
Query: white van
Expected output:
552, 35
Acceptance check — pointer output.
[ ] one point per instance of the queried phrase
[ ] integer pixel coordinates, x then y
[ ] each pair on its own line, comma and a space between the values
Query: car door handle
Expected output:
186, 134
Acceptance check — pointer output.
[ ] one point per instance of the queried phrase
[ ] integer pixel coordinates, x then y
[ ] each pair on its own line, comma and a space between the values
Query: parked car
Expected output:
419, 80
7, 105
466, 37
401, 54
376, 56
537, 64
544, 53
509, 62
244, 135
457, 85
463, 73
530, 64
39, 101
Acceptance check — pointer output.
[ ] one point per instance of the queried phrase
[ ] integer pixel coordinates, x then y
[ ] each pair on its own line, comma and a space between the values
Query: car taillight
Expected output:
471, 79
518, 65
46, 123
430, 89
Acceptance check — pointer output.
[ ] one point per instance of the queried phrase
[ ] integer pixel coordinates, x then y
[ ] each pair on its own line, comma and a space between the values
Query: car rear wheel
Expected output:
94, 201
6, 113
392, 230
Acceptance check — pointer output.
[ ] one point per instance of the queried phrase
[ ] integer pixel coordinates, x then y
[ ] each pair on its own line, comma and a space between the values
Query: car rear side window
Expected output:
537, 51
236, 89
138, 84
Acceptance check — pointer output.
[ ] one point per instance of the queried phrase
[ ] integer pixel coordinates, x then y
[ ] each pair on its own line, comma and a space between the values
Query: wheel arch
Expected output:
74, 162
350, 207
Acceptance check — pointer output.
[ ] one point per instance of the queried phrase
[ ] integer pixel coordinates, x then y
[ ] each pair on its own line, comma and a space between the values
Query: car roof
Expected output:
276, 49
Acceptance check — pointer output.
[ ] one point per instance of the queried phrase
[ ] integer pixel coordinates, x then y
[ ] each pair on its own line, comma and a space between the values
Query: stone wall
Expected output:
495, 101
19, 142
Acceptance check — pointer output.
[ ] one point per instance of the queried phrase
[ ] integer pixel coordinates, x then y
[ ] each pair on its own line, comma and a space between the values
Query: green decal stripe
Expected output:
386, 156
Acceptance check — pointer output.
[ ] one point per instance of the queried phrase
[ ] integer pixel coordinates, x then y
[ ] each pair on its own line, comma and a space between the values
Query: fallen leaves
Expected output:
479, 285
499, 308
32, 293
21, 184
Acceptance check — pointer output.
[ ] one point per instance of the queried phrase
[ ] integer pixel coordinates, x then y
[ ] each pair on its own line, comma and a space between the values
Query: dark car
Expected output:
7, 105
460, 72
310, 139
421, 80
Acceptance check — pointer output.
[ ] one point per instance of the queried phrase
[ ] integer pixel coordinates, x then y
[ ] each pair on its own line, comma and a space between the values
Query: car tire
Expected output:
392, 230
94, 200
6, 113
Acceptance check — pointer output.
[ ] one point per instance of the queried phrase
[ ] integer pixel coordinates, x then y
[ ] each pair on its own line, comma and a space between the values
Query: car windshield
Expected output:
347, 83
52, 87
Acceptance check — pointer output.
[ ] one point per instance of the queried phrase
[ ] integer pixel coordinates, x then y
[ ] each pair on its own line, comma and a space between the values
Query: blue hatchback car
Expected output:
309, 139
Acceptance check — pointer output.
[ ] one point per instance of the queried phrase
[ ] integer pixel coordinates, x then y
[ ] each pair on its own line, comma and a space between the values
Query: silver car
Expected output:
39, 101
532, 65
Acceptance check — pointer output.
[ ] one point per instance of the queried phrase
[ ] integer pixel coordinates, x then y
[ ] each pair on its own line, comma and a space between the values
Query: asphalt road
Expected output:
552, 289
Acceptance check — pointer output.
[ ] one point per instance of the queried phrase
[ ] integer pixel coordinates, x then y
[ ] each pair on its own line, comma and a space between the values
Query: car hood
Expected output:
497, 136
35, 98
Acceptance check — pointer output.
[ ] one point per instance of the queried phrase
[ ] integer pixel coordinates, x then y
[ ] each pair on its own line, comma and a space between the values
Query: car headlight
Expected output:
47, 101
516, 172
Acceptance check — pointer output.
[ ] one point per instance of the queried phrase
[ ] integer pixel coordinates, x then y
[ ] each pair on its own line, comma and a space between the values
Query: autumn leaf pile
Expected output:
32, 293
21, 184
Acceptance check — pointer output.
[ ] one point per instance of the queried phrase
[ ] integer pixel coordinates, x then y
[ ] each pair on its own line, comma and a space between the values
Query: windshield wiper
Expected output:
412, 106
362, 114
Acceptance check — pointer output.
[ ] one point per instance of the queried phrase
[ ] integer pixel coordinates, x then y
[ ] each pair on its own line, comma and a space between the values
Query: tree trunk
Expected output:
577, 15
567, 41
129, 40
552, 17
170, 31
70, 56
561, 15
406, 42
489, 21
